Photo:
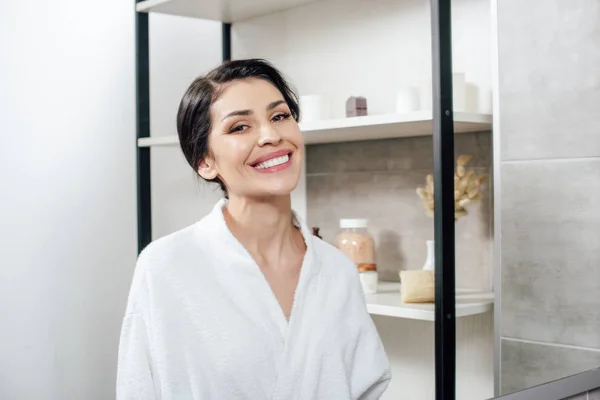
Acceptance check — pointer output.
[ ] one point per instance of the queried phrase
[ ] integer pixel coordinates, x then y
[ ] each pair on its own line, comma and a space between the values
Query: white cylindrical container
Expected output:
407, 100
485, 100
313, 108
369, 281
459, 99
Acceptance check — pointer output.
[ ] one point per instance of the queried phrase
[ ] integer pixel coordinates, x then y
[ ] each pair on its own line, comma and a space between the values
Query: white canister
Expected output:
485, 98
369, 281
459, 88
459, 91
407, 100
313, 108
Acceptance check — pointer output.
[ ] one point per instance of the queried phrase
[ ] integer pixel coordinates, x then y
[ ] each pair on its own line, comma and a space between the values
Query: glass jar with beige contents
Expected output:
356, 242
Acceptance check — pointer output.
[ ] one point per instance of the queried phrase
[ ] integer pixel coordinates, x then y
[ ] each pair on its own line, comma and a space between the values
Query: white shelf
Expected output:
388, 126
219, 10
371, 127
388, 302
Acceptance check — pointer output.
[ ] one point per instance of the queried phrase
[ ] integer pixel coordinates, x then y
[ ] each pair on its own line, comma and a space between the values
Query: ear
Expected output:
207, 168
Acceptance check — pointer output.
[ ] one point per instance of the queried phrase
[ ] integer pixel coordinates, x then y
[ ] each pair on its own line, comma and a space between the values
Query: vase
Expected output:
430, 261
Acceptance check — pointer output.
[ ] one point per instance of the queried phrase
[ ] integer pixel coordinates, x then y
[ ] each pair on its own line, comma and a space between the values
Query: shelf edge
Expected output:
147, 5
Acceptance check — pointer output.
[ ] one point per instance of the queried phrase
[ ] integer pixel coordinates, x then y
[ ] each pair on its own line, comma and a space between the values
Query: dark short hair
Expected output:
193, 116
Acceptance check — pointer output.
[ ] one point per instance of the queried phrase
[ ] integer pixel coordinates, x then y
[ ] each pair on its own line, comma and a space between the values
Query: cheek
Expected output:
299, 142
232, 151
295, 136
300, 155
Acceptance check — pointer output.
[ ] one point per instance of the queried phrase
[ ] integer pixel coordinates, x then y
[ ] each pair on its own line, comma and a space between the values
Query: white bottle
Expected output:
430, 260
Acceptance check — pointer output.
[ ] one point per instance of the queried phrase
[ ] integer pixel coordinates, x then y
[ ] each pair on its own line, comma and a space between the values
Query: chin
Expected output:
278, 190
273, 187
276, 184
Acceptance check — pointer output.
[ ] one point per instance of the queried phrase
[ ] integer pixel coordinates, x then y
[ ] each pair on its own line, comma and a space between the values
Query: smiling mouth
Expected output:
274, 162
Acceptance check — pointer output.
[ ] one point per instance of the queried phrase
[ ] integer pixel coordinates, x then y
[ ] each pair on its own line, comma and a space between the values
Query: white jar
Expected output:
369, 281
313, 108
407, 100
459, 92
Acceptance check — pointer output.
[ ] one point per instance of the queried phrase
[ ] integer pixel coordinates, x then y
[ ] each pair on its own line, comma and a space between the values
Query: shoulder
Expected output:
183, 243
167, 249
164, 258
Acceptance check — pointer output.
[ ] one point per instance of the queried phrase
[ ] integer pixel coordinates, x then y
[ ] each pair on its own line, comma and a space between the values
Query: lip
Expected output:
269, 156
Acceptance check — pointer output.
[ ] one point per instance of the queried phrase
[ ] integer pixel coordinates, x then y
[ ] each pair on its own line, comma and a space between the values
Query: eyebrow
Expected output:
250, 112
275, 104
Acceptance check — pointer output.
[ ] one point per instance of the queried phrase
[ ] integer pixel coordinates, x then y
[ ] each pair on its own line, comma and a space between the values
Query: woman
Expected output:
246, 303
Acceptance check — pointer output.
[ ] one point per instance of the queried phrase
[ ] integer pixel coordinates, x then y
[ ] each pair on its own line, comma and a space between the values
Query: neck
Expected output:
263, 226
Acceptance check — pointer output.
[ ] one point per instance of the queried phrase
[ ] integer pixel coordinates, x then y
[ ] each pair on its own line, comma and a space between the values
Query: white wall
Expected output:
67, 197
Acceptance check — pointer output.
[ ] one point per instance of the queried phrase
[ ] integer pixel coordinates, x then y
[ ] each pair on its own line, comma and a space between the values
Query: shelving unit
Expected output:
442, 123
371, 127
388, 302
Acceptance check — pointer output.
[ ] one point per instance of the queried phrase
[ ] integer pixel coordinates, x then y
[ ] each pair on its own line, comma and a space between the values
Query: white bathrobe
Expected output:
203, 323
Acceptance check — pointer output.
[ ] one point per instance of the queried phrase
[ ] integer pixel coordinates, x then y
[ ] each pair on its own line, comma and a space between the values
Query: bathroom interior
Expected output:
527, 247
527, 244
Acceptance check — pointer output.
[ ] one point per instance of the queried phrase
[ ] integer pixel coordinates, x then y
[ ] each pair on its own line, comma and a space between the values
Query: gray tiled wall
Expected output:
378, 180
549, 52
551, 251
591, 395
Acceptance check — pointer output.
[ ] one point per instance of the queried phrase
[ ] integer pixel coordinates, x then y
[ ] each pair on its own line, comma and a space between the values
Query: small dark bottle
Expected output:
315, 232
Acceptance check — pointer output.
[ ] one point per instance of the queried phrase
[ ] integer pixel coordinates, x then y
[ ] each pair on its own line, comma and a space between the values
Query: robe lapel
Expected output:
266, 298
299, 328
293, 337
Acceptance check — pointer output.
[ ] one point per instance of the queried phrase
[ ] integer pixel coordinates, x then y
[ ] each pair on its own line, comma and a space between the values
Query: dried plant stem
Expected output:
467, 188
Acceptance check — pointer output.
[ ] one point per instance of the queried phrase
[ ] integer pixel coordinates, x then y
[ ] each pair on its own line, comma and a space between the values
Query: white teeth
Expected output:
273, 162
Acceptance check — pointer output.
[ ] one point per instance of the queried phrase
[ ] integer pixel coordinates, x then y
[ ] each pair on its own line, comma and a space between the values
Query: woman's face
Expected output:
255, 145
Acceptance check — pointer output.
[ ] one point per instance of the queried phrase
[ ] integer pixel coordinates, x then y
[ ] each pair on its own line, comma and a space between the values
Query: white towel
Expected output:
203, 323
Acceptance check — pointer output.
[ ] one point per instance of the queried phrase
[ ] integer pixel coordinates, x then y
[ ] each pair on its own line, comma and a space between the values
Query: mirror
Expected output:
544, 196
547, 156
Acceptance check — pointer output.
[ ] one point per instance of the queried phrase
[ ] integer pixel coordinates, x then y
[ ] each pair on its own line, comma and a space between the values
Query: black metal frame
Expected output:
226, 41
443, 157
443, 176
142, 92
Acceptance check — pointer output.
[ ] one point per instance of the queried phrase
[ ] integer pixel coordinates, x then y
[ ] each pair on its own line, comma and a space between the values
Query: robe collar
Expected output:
310, 261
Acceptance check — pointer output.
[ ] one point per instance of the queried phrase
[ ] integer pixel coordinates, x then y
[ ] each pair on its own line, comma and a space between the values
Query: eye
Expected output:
238, 128
281, 117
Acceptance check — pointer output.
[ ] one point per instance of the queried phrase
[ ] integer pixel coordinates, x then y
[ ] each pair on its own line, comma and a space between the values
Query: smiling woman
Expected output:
235, 116
246, 303
253, 129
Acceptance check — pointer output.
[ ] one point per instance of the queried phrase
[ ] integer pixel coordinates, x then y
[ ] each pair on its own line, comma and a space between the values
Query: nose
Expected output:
268, 135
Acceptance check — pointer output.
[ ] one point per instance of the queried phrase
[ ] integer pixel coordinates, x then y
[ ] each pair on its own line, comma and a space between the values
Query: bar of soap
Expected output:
417, 286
